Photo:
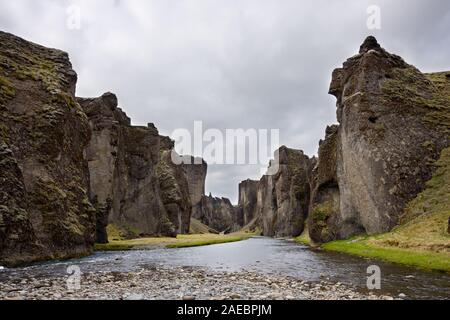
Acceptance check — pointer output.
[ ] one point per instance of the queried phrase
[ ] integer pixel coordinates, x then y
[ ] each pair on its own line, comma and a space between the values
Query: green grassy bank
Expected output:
181, 241
422, 239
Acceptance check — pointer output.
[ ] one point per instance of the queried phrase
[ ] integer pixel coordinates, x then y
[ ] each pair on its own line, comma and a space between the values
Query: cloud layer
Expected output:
263, 64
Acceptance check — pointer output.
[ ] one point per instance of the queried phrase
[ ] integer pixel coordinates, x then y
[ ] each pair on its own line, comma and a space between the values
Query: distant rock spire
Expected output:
370, 43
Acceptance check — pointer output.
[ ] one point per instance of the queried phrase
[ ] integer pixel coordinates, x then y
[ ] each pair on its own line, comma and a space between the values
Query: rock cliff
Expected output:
325, 196
70, 166
196, 172
278, 204
248, 196
133, 182
175, 191
45, 210
218, 214
393, 124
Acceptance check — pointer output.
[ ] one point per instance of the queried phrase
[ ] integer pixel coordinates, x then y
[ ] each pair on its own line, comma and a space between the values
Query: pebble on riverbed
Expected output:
191, 284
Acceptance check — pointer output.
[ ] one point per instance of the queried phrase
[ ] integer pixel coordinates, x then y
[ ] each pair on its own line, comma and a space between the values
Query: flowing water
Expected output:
259, 254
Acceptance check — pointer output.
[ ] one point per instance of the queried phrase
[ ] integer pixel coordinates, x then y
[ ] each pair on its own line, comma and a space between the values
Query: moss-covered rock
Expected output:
394, 123
43, 133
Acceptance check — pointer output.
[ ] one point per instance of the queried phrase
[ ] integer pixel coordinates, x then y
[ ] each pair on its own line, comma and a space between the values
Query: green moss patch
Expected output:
428, 95
7, 90
304, 238
322, 212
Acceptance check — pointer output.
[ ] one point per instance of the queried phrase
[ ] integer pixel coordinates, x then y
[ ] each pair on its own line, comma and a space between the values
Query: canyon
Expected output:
393, 134
71, 167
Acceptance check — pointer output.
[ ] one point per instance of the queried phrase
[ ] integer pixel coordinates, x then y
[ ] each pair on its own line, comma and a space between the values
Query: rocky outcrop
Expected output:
196, 171
45, 211
175, 191
248, 197
70, 166
218, 214
323, 224
133, 182
278, 204
393, 126
283, 198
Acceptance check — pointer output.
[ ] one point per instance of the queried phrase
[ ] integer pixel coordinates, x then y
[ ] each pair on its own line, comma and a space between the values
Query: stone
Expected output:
325, 190
134, 297
123, 163
248, 198
175, 193
280, 203
196, 170
370, 43
391, 129
72, 166
218, 213
45, 210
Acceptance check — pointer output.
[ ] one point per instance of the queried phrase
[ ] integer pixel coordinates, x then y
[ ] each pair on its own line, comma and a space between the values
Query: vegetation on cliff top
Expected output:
428, 94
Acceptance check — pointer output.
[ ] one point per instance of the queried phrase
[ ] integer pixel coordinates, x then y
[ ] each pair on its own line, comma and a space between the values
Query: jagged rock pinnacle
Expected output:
110, 99
370, 43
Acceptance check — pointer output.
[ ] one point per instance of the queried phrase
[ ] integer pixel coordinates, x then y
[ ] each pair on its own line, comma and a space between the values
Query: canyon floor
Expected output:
180, 283
255, 269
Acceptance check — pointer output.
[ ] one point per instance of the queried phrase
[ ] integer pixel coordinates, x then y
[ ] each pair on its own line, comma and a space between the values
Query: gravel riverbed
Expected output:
178, 283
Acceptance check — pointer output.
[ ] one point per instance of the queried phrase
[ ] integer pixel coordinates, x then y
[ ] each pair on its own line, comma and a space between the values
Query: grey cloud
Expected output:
232, 64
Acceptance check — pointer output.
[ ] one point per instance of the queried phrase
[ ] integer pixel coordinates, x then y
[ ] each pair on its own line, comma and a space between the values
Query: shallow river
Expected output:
263, 255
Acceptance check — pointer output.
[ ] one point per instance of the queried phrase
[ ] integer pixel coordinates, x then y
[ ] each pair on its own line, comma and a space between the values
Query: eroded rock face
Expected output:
393, 125
175, 191
248, 197
196, 171
133, 183
325, 195
107, 122
44, 206
283, 198
278, 204
219, 214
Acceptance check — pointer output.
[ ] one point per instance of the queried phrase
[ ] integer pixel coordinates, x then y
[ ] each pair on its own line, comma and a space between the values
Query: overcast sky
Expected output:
262, 64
